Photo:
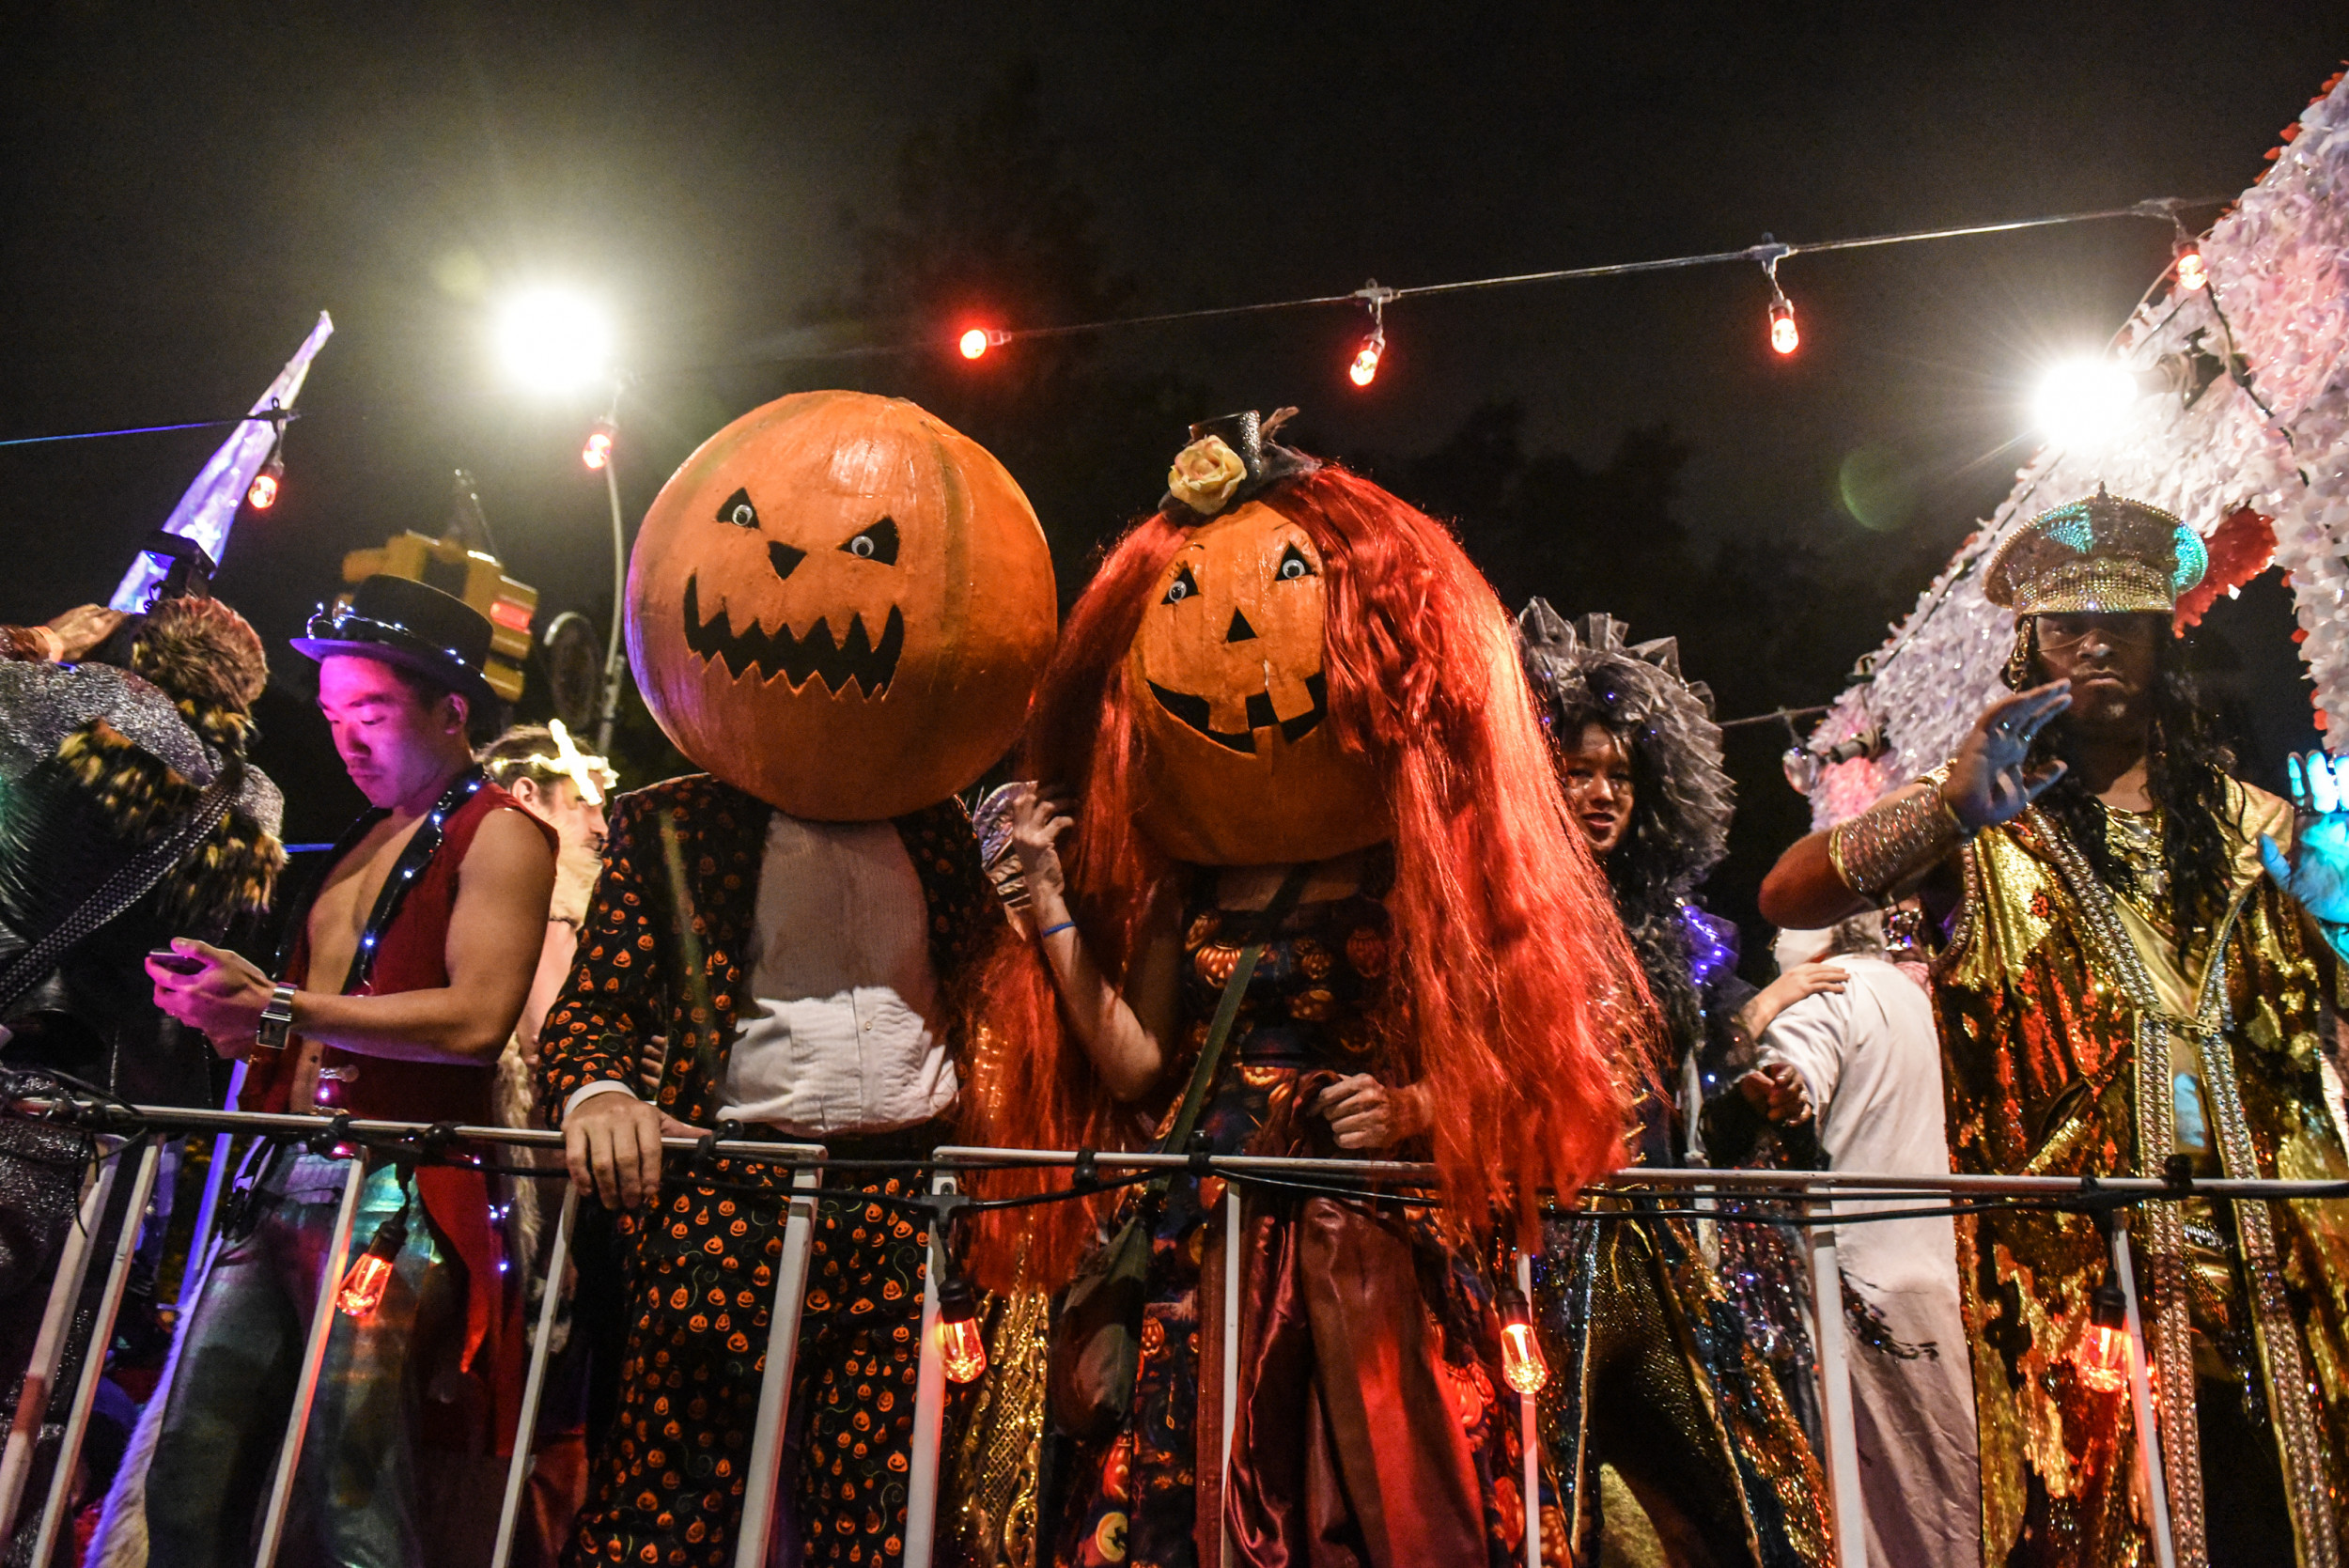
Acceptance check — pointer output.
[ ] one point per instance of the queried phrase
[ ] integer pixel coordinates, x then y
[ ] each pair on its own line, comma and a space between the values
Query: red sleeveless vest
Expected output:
412, 954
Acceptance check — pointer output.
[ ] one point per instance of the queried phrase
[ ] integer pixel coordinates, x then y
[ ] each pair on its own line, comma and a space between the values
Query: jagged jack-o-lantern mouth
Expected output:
813, 654
1199, 714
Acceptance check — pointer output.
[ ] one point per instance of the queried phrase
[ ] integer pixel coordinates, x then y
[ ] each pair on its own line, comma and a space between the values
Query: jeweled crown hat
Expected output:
2103, 555
1230, 460
413, 625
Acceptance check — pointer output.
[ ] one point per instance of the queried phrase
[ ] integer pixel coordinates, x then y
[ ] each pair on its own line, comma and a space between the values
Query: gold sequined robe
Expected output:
2054, 1029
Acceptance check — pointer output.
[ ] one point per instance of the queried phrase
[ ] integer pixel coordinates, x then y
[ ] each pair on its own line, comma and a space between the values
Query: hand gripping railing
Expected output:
1813, 1193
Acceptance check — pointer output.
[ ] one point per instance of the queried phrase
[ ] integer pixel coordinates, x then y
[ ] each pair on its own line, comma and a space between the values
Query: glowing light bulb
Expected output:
1521, 1362
961, 1344
597, 452
1784, 337
2103, 1356
1364, 369
362, 1289
975, 343
262, 494
2191, 272
2084, 401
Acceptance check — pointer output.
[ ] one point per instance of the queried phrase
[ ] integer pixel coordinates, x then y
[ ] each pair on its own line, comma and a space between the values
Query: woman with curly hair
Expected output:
1300, 884
1670, 1379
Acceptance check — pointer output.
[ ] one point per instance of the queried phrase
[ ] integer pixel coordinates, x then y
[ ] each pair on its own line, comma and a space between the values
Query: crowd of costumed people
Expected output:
1303, 849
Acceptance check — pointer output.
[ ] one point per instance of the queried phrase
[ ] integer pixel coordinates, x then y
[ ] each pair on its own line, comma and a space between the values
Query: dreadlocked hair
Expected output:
2186, 769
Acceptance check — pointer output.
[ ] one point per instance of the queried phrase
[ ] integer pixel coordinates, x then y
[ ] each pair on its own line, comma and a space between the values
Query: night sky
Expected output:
185, 187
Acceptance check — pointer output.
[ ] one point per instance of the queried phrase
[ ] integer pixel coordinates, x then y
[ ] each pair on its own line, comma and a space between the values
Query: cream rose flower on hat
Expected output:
1205, 474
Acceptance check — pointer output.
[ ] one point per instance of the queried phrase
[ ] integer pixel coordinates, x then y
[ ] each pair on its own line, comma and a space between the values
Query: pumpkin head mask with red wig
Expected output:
840, 605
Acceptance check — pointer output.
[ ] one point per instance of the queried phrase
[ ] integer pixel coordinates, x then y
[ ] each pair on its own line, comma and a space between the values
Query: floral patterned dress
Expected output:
1310, 1014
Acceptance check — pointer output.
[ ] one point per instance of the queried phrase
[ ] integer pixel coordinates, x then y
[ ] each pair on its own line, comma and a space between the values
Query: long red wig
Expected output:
1515, 989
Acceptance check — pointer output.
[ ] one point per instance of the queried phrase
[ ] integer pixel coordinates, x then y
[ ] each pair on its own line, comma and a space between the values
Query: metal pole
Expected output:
1529, 1437
614, 665
312, 1361
214, 1180
534, 1383
56, 1322
764, 1478
101, 1336
1835, 1416
2141, 1401
1233, 1217
930, 1404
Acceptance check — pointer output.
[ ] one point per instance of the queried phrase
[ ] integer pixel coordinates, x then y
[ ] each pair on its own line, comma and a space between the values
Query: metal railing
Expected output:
117, 1129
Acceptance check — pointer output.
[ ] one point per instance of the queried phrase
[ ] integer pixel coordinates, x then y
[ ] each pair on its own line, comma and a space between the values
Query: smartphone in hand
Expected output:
177, 963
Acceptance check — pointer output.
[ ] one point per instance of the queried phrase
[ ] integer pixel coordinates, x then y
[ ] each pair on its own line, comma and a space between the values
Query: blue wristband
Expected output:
1063, 925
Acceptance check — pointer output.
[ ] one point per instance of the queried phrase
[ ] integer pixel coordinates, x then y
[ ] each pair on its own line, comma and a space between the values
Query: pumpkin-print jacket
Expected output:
663, 953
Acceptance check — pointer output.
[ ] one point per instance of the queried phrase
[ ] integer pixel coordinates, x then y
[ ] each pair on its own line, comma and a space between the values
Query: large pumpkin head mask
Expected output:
840, 605
1242, 766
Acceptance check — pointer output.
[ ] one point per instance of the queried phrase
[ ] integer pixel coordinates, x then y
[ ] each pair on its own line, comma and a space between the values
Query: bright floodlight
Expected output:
554, 340
2083, 401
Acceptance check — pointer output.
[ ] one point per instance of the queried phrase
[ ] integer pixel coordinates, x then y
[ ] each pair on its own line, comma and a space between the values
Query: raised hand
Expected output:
1987, 782
2317, 873
1039, 818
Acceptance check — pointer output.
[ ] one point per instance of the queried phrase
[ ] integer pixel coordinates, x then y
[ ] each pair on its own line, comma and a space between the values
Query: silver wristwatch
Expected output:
276, 1019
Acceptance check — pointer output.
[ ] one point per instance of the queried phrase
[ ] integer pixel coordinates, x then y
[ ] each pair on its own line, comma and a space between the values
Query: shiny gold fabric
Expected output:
2050, 1015
999, 1456
1652, 1373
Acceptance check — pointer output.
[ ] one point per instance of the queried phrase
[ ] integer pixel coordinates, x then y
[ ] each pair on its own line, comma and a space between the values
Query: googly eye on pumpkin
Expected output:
1184, 586
737, 510
877, 543
1294, 566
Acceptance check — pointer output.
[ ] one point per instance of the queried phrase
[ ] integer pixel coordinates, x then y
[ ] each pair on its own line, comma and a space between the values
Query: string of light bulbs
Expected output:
975, 341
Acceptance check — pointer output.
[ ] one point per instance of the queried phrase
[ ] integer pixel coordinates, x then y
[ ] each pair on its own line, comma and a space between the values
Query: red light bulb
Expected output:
2192, 275
362, 1289
597, 452
1364, 369
961, 1344
2103, 1358
1522, 1363
975, 343
1784, 337
262, 494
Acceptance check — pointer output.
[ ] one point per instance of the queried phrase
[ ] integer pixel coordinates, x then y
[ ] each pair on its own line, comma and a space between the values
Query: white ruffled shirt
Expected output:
834, 1036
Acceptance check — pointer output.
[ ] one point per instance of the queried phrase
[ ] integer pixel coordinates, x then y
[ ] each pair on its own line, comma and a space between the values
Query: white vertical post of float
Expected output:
2141, 1401
56, 1322
1529, 1437
101, 1337
1234, 1214
312, 1361
208, 1208
764, 1478
534, 1381
1835, 1416
929, 1401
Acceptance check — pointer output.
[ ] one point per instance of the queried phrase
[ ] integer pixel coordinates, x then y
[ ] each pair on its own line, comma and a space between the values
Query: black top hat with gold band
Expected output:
1230, 460
2103, 555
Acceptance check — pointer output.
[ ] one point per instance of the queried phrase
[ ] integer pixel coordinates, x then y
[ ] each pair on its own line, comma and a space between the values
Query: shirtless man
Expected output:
392, 1005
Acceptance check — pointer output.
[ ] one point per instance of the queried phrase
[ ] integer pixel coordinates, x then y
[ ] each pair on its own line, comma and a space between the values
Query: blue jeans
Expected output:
353, 1502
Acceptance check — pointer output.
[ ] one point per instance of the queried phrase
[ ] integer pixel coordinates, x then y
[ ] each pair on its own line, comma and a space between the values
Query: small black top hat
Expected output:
401, 621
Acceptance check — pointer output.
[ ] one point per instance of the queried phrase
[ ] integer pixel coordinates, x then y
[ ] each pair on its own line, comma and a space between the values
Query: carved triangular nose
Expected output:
1239, 631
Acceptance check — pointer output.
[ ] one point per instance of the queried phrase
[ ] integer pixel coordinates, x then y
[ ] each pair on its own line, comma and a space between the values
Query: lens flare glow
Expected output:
597, 452
2191, 272
2083, 402
553, 340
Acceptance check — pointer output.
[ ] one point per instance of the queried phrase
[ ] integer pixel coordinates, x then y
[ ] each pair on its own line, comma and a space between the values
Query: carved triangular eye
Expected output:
1183, 587
877, 543
737, 510
1294, 564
